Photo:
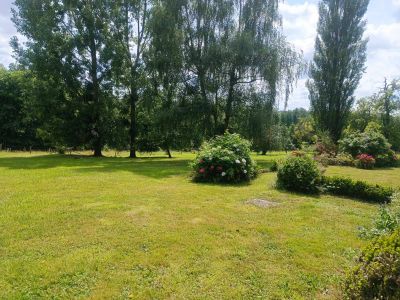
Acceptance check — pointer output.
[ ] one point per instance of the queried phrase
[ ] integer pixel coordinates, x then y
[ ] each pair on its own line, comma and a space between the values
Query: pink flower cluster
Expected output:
366, 158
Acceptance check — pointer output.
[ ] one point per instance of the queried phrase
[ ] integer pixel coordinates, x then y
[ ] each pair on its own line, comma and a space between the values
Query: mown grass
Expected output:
113, 228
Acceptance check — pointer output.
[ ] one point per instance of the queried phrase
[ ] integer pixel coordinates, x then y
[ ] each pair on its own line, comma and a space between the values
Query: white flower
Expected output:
238, 161
245, 171
237, 149
223, 174
244, 161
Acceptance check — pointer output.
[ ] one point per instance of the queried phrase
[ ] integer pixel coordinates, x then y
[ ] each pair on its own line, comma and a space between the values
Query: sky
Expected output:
299, 24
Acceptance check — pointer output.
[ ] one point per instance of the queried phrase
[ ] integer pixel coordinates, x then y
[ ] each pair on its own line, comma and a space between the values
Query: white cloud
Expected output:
300, 22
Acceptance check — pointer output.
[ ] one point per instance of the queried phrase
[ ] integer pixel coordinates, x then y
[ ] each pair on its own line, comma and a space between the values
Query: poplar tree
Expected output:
338, 64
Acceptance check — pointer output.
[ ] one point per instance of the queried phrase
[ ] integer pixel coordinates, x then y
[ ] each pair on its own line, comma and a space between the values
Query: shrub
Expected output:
357, 189
299, 174
387, 160
365, 161
274, 167
370, 142
325, 145
225, 158
377, 273
297, 153
341, 159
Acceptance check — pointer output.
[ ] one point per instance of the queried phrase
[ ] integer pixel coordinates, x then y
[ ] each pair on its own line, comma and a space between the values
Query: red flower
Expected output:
202, 171
219, 168
212, 168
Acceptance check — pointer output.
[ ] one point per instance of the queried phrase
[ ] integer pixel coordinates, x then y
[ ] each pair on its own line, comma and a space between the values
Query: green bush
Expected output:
299, 174
377, 273
226, 159
274, 167
386, 160
341, 159
341, 186
369, 142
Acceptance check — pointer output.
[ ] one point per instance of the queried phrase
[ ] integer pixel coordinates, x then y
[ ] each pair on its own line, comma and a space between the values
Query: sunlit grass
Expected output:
82, 227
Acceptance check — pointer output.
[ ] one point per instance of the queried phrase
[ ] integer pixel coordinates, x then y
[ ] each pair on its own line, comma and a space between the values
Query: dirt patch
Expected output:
262, 203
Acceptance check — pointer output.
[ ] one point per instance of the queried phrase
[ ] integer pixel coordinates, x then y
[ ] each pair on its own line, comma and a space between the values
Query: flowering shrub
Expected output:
365, 161
225, 158
299, 174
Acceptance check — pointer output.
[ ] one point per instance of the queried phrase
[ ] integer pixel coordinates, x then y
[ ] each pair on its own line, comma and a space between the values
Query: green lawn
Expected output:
113, 228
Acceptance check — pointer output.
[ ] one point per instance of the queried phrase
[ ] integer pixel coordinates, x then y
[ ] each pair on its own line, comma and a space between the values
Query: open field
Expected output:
113, 228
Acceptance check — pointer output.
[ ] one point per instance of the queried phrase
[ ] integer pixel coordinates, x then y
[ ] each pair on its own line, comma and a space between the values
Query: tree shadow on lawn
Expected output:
154, 167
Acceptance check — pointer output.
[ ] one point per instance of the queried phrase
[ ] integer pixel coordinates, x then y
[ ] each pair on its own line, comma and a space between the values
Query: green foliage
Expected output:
389, 159
304, 132
387, 221
224, 159
341, 159
325, 144
347, 187
274, 166
377, 272
332, 85
371, 142
299, 174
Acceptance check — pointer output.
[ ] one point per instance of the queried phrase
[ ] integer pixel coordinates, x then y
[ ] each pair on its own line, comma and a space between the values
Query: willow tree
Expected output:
233, 48
338, 64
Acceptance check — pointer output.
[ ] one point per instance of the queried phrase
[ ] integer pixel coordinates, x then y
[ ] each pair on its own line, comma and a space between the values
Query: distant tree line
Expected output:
143, 75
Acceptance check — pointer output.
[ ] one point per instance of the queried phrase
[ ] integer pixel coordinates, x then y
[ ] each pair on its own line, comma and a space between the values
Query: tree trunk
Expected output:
133, 128
97, 143
229, 100
169, 153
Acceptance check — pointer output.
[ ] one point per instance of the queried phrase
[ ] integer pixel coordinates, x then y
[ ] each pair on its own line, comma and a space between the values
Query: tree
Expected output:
130, 37
18, 119
67, 47
338, 64
233, 48
388, 104
164, 62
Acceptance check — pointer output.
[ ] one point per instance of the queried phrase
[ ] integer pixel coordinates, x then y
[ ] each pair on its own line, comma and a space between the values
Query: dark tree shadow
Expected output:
154, 167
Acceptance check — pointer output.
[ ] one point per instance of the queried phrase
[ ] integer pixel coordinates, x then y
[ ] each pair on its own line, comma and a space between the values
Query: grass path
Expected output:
113, 228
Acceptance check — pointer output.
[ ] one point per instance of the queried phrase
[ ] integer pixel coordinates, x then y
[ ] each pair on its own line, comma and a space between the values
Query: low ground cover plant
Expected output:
225, 159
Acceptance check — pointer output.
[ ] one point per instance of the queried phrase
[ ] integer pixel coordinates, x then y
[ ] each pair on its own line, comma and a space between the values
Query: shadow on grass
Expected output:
154, 167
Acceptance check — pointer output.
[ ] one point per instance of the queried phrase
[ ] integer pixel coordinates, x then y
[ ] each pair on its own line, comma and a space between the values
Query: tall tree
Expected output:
388, 104
339, 62
66, 45
131, 40
164, 63
233, 48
